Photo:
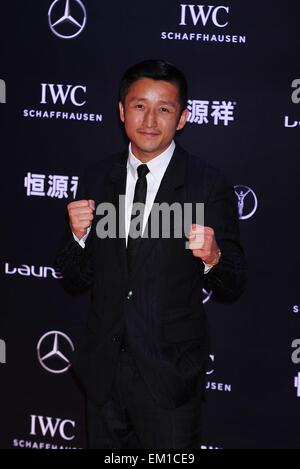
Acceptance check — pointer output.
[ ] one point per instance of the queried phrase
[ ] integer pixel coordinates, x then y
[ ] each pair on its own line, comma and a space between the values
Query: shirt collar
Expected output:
157, 165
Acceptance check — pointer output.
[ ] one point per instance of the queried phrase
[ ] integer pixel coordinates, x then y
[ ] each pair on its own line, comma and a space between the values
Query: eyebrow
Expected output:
137, 98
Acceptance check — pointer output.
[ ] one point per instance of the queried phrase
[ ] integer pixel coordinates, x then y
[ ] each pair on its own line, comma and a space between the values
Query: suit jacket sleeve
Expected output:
74, 262
227, 279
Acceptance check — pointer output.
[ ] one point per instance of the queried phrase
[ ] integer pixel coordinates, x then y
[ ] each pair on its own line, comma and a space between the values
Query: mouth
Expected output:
148, 134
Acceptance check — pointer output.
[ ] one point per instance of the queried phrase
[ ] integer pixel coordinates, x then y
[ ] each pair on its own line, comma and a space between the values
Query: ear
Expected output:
121, 111
182, 119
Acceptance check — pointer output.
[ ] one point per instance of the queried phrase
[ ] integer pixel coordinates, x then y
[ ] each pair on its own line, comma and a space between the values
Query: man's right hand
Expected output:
81, 216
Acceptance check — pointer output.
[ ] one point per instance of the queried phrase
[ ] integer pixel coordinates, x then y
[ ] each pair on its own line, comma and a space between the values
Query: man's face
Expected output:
151, 115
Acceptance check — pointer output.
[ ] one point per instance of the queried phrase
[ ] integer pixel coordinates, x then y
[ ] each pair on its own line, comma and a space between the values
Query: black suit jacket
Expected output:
163, 313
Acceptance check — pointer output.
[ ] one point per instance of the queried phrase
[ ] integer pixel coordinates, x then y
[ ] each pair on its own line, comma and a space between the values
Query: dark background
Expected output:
255, 334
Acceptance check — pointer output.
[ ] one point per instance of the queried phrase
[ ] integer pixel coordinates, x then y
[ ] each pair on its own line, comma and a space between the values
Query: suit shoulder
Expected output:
94, 177
204, 179
102, 165
209, 173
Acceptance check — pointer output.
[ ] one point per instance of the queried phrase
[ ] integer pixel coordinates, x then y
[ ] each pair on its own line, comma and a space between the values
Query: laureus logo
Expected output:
246, 201
206, 295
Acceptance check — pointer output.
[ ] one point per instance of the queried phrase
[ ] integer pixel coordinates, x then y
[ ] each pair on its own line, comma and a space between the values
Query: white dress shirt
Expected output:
157, 167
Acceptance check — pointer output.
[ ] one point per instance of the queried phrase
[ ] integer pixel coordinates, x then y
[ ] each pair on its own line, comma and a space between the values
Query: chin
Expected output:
148, 148
151, 151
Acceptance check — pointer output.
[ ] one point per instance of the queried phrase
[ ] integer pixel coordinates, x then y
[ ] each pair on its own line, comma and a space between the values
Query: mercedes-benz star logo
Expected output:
51, 350
246, 200
65, 22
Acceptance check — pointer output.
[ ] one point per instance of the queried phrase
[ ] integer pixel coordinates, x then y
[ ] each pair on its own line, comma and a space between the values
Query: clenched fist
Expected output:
81, 216
203, 244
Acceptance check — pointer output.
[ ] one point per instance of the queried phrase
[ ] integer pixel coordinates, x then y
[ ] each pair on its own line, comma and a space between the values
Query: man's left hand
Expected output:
203, 244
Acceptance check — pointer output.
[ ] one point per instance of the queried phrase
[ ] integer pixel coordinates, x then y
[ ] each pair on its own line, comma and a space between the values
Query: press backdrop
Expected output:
60, 66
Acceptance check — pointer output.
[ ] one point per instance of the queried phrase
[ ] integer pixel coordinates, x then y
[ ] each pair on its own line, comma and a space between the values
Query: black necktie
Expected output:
136, 220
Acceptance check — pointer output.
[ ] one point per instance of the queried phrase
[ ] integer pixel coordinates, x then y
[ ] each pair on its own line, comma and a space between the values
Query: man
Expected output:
143, 360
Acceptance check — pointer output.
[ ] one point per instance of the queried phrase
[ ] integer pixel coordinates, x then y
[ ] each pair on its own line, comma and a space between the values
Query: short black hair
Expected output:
156, 70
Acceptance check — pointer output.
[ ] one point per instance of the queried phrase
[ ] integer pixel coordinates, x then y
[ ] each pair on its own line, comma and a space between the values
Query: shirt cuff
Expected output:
82, 241
207, 268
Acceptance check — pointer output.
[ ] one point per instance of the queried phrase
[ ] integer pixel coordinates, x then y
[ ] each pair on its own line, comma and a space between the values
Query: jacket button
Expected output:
129, 295
116, 338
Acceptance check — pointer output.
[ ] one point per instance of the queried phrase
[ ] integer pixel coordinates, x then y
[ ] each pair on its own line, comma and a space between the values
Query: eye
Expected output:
139, 106
164, 109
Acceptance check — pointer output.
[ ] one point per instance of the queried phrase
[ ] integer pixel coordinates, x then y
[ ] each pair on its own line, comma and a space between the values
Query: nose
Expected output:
150, 118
